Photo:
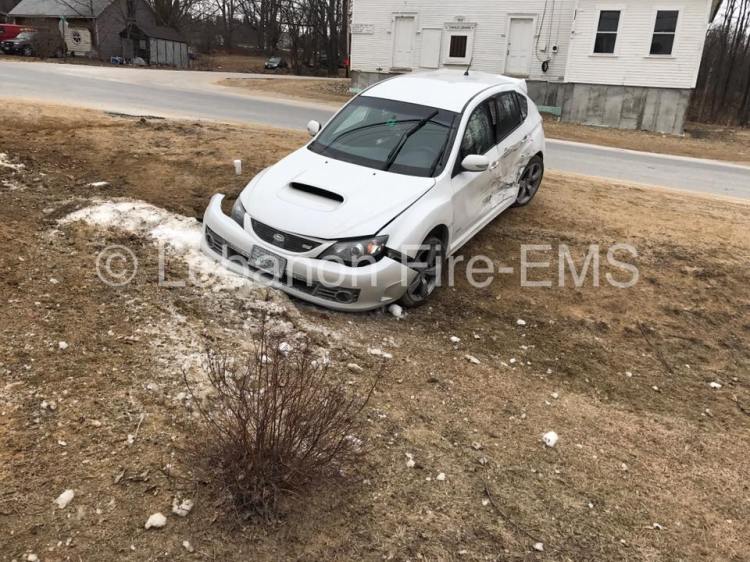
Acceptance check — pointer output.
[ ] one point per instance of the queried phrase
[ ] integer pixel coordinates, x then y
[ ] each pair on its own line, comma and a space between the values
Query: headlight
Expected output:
357, 253
238, 213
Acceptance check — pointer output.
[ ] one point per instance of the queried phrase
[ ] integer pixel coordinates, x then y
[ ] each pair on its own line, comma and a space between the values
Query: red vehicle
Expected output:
10, 30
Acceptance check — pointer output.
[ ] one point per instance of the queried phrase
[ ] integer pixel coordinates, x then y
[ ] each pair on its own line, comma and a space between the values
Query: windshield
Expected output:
274, 60
400, 137
24, 35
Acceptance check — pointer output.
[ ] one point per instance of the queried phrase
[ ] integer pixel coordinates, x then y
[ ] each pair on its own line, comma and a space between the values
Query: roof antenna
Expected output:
468, 67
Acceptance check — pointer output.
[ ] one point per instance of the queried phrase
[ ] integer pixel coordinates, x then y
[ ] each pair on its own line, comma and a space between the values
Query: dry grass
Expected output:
335, 91
629, 456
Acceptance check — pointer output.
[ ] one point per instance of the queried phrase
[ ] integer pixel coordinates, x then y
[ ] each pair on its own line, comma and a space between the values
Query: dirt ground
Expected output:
651, 463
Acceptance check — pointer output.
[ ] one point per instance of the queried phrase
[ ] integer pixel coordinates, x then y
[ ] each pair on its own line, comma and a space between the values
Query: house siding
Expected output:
372, 52
631, 64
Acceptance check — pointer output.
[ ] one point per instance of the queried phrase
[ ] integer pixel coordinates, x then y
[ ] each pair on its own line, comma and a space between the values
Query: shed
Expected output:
155, 44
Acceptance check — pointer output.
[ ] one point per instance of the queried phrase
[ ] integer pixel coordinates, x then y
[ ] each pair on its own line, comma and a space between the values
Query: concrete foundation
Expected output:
623, 107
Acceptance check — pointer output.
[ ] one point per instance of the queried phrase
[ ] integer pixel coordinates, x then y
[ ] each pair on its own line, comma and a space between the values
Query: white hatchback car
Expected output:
401, 177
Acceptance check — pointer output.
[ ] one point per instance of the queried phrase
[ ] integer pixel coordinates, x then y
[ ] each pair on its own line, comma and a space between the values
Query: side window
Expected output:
479, 136
523, 105
508, 115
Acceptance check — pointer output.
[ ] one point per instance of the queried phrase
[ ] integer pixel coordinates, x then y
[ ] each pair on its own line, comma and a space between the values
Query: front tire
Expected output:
27, 51
531, 179
429, 265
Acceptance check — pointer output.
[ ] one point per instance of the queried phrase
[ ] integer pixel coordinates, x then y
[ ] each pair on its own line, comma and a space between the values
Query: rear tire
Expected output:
429, 264
531, 179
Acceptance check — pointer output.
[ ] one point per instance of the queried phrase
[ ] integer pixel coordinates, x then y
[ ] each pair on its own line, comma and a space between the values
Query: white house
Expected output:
620, 63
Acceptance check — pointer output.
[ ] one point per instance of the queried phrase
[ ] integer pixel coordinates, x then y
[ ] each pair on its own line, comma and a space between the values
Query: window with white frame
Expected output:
606, 32
459, 43
665, 29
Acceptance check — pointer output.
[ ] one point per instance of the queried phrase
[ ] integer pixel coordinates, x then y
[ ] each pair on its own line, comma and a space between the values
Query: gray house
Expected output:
119, 28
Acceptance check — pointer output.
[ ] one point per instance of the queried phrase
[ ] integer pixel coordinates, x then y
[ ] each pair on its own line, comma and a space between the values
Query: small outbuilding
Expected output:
119, 28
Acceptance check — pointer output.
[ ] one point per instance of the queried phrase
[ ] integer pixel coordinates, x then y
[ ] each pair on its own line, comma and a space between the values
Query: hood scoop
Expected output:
320, 192
310, 196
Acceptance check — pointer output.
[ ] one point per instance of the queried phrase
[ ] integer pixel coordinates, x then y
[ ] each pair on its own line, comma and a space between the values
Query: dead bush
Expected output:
278, 420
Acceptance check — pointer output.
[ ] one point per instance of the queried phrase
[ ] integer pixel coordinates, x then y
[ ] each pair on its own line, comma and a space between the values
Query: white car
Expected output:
400, 178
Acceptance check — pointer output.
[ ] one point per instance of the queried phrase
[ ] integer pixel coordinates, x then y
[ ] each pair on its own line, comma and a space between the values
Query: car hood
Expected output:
316, 196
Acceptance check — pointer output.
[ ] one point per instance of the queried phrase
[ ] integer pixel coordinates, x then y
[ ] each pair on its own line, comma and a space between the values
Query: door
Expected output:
403, 42
520, 41
472, 190
513, 137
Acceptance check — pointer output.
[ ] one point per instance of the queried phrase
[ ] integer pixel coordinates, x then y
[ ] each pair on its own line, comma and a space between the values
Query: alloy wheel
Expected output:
529, 182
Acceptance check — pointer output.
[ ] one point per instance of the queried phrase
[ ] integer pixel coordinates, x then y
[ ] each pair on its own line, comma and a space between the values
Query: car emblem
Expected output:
279, 238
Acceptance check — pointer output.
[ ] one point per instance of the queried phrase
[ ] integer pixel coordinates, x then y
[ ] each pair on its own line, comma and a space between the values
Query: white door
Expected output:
520, 41
472, 190
403, 42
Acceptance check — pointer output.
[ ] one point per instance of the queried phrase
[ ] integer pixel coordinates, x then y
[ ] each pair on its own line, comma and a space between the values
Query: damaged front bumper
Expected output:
325, 283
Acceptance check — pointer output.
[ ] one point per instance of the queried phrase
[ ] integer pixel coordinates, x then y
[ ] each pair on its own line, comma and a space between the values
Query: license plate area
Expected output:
271, 263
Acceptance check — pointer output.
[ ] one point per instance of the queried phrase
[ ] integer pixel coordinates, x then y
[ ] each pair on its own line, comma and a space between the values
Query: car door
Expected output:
513, 143
472, 190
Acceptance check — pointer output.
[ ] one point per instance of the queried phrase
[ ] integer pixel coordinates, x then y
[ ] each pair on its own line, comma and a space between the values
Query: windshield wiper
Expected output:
405, 137
362, 127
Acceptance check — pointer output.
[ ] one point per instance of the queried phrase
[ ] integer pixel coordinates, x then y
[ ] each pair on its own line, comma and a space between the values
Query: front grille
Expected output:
336, 294
284, 240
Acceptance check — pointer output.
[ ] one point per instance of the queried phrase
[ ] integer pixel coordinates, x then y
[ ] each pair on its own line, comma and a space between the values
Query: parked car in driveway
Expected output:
9, 31
275, 63
401, 177
37, 42
21, 44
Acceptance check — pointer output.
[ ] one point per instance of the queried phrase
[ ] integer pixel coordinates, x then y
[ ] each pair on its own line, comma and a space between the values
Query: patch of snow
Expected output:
354, 368
472, 359
396, 311
180, 234
539, 546
440, 477
31, 557
377, 352
455, 339
6, 162
715, 385
410, 461
65, 498
182, 508
284, 347
156, 521
520, 322
555, 395
550, 438
187, 546
63, 345
98, 184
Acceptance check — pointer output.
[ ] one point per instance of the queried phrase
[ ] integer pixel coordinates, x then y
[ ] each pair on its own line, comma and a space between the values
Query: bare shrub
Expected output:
279, 420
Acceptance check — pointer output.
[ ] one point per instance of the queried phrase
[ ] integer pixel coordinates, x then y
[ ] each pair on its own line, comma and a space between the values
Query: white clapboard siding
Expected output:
631, 65
372, 32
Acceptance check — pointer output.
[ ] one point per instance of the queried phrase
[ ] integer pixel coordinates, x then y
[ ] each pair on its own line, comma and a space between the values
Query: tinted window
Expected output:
523, 105
479, 136
401, 137
508, 115
606, 31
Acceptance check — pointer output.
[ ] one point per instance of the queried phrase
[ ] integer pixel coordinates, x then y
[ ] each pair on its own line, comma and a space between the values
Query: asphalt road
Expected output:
194, 95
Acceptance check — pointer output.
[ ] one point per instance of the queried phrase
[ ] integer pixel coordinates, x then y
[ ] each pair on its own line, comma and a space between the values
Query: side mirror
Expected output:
313, 127
475, 163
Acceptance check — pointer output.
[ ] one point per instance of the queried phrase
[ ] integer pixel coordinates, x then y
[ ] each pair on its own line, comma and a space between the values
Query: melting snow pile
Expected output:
178, 234
5, 162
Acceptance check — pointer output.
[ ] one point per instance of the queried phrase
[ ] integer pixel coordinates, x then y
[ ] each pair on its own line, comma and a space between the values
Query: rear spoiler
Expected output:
519, 82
